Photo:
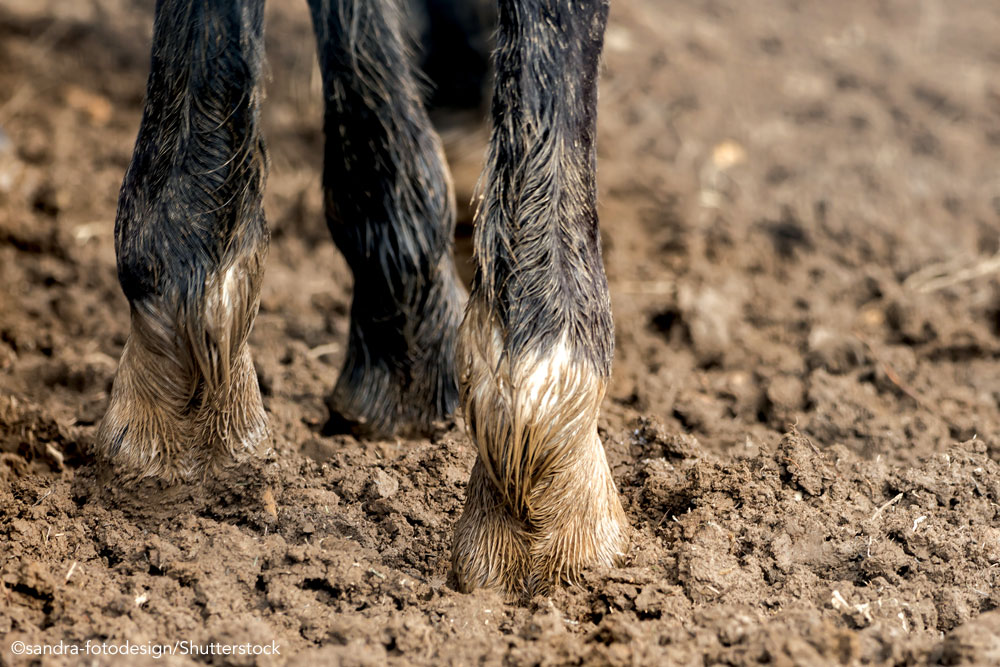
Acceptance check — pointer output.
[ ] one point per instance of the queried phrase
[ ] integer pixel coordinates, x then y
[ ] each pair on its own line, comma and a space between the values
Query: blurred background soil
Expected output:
801, 218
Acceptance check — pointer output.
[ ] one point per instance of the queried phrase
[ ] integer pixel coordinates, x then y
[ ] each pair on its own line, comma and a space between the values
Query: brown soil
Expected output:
799, 202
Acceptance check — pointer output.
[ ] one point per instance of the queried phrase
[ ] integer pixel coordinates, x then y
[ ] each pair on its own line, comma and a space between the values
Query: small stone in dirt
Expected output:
728, 154
267, 500
383, 485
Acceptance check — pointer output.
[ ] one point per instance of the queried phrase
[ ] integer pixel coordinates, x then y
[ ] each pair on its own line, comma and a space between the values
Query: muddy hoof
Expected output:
391, 406
153, 430
542, 504
185, 398
577, 523
399, 376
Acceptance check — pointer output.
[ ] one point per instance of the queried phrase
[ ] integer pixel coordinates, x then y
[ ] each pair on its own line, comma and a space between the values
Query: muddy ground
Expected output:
801, 217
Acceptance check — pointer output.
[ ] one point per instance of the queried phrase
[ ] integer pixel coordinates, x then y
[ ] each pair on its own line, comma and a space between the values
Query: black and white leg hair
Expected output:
536, 344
